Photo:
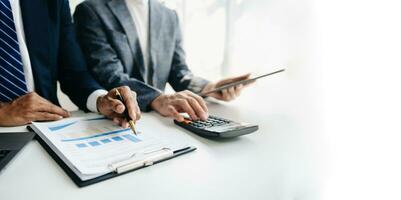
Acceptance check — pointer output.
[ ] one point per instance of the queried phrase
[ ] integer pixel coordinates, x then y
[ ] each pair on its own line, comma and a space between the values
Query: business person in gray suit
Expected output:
138, 43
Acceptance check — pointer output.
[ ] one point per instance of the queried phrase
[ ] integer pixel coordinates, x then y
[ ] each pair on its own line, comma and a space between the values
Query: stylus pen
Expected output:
126, 115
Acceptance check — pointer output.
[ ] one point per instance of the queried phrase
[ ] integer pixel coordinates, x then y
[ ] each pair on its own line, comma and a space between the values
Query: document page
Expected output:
89, 145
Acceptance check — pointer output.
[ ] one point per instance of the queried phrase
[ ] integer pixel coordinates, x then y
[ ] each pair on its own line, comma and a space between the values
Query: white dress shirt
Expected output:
139, 10
16, 9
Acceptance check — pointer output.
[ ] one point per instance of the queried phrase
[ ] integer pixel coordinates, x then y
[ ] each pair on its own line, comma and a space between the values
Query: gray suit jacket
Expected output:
108, 37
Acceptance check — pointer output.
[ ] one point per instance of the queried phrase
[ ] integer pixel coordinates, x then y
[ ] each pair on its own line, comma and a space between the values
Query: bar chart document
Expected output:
90, 146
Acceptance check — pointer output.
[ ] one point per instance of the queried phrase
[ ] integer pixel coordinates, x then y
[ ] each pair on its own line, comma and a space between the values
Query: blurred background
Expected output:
344, 66
231, 37
226, 37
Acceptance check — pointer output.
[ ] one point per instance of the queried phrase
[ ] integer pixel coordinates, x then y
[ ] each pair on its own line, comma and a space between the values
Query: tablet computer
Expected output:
240, 82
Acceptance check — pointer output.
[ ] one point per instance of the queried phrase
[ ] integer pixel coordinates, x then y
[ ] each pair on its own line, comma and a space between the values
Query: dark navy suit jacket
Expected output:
54, 52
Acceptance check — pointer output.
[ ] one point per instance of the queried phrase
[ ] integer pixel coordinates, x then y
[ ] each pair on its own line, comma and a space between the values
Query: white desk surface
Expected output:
277, 163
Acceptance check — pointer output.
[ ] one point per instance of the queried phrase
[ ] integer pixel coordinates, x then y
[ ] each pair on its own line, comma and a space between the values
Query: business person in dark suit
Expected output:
38, 47
138, 43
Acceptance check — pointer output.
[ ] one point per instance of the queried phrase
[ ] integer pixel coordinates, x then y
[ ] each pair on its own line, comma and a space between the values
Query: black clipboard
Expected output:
80, 183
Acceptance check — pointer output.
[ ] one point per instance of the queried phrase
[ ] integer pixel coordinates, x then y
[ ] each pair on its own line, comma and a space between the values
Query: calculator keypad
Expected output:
210, 122
217, 127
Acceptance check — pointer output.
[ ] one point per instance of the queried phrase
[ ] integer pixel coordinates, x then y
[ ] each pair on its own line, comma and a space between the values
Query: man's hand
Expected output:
181, 102
111, 107
28, 108
230, 93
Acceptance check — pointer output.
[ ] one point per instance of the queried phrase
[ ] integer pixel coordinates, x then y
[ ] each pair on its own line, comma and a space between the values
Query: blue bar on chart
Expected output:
132, 138
105, 141
94, 143
117, 138
81, 145
108, 140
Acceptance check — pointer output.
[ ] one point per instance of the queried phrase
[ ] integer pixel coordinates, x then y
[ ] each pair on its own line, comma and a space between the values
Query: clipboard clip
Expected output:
147, 160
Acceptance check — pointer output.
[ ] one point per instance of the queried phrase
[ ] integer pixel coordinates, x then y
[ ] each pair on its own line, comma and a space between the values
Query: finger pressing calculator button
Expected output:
187, 121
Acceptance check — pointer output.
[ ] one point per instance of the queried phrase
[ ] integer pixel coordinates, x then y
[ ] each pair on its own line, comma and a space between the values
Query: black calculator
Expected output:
216, 127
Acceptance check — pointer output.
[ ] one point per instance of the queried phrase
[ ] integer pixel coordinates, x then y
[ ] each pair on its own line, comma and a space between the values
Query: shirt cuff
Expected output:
91, 103
197, 84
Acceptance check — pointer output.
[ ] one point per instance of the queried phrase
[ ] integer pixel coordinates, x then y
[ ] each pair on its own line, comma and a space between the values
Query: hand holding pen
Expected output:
131, 122
120, 105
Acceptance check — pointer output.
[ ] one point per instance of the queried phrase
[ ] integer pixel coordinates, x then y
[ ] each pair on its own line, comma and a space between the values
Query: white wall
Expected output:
359, 51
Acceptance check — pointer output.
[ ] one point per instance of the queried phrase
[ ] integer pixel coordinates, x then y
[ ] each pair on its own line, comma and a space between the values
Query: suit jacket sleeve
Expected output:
181, 78
75, 79
103, 60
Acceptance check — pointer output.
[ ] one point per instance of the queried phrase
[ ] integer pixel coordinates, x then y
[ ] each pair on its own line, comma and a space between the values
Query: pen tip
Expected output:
132, 125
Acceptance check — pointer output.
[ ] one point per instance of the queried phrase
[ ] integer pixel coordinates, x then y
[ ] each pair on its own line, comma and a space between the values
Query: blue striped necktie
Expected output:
12, 78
